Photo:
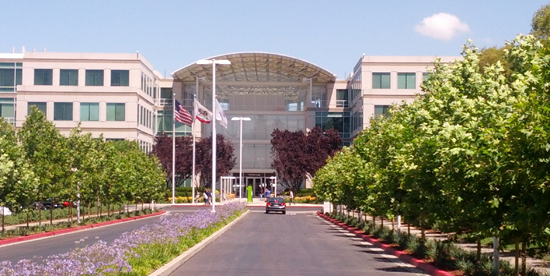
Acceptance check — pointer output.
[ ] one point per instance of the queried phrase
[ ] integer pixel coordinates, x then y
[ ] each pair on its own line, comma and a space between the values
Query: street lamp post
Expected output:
78, 197
213, 62
240, 152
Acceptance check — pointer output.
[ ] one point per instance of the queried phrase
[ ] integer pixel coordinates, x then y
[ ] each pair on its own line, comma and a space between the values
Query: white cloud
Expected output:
442, 26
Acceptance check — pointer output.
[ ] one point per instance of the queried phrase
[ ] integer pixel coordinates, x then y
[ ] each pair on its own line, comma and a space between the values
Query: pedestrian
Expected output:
261, 192
205, 196
209, 194
291, 197
267, 194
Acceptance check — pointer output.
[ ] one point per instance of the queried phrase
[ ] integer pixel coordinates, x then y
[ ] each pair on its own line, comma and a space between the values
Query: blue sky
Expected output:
330, 34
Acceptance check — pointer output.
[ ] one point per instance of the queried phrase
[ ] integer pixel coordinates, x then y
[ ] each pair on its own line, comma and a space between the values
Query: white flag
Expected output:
201, 113
220, 115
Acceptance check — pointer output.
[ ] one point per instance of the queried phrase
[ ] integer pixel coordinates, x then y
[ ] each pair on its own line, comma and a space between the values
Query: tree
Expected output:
46, 151
540, 25
18, 185
297, 155
225, 158
184, 153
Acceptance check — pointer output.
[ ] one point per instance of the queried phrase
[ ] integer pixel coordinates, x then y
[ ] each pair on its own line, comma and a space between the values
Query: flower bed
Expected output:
135, 253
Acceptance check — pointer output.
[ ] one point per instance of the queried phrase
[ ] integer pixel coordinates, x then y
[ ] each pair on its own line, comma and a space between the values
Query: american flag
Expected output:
181, 115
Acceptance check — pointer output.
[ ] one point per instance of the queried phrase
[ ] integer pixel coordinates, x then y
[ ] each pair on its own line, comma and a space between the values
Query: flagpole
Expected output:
193, 132
214, 135
174, 148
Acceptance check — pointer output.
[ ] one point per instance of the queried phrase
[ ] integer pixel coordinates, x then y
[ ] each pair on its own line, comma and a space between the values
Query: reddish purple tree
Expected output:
184, 157
297, 155
225, 158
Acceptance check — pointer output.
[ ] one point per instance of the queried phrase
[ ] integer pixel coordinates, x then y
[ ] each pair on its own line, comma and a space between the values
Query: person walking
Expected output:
290, 197
209, 194
205, 196
267, 194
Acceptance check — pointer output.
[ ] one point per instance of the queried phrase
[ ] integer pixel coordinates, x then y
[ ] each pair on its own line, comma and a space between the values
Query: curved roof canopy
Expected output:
256, 67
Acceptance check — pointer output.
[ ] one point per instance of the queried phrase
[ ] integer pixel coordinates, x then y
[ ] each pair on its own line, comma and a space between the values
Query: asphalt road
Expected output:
298, 243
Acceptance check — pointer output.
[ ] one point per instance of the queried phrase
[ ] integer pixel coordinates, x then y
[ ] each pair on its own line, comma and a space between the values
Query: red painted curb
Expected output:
430, 269
74, 229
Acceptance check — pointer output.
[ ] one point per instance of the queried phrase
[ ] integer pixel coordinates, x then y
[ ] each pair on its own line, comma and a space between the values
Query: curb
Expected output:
74, 229
428, 268
171, 266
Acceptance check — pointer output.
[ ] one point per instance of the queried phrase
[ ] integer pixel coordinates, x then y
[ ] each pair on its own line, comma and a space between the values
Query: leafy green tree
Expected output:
45, 149
540, 24
18, 185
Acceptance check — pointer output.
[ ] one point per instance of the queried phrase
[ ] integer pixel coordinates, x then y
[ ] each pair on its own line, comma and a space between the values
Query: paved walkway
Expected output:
539, 265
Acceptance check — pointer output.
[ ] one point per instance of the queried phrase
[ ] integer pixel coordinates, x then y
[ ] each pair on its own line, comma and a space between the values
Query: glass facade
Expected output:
340, 121
10, 76
164, 124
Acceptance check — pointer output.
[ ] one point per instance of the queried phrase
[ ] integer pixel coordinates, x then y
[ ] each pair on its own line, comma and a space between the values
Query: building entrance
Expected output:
256, 183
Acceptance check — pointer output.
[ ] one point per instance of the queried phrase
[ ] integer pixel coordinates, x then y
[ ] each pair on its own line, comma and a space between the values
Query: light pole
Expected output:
78, 196
213, 62
240, 152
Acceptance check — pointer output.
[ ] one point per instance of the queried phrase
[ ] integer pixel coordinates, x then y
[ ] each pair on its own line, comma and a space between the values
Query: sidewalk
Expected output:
539, 265
131, 208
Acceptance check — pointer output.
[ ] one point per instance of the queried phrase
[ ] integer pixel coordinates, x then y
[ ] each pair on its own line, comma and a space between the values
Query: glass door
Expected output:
257, 187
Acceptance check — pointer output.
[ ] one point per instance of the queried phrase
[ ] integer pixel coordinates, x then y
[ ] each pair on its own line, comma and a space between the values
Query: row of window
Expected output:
145, 116
63, 111
69, 77
404, 80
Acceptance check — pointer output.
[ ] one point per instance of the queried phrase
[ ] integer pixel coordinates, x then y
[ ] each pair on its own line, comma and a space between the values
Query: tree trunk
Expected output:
51, 214
98, 206
39, 217
516, 259
523, 257
478, 255
422, 230
28, 218
381, 221
89, 208
408, 229
3, 221
392, 224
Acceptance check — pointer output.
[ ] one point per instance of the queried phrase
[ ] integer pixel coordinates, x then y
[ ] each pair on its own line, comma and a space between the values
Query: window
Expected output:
40, 105
43, 76
63, 111
341, 98
7, 109
120, 78
89, 111
380, 80
68, 77
94, 77
381, 110
10, 76
406, 80
166, 93
116, 111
